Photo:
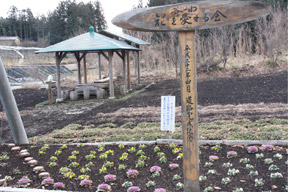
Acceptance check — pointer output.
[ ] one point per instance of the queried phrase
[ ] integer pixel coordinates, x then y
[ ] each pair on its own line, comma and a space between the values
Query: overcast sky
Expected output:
111, 7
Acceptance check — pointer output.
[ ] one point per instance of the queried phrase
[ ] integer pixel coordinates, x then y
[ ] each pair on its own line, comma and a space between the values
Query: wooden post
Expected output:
50, 94
124, 72
99, 66
85, 69
128, 72
59, 57
138, 66
79, 71
58, 77
186, 18
189, 111
111, 83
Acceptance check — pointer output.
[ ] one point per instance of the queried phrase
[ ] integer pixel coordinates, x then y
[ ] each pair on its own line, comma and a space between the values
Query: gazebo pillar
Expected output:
138, 65
128, 71
99, 66
59, 57
111, 83
85, 69
124, 72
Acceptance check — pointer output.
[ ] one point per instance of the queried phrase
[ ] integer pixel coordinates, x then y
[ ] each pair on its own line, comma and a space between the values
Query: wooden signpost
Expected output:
186, 18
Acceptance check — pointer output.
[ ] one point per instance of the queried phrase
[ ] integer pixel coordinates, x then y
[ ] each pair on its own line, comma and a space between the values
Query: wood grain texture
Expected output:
192, 15
189, 111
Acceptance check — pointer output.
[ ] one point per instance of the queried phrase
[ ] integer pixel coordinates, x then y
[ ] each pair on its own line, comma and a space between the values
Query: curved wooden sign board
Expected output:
186, 18
191, 16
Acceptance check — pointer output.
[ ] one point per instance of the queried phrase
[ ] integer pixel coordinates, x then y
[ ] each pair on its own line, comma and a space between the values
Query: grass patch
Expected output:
263, 129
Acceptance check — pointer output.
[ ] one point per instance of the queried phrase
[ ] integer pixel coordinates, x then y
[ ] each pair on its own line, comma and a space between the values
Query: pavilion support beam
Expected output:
79, 58
85, 69
138, 65
59, 57
128, 71
124, 72
99, 66
111, 83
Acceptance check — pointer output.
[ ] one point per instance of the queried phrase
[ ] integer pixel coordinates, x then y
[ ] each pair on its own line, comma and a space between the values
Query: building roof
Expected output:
90, 41
124, 36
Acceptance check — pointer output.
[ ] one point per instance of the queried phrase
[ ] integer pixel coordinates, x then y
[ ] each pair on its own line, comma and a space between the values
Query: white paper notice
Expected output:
167, 113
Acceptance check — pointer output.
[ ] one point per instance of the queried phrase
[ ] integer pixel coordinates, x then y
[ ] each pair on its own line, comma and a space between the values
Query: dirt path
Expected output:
225, 98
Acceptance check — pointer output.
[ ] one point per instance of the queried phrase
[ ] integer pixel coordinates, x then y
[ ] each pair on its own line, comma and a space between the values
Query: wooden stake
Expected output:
138, 66
189, 112
50, 94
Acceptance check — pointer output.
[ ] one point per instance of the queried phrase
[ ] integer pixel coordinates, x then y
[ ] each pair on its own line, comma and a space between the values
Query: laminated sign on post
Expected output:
167, 113
186, 18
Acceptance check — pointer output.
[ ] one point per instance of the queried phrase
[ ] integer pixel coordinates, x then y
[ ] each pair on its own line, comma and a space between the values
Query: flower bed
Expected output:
142, 168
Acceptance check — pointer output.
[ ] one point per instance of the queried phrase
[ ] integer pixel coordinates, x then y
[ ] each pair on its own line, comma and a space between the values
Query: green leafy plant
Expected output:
73, 164
259, 155
176, 177
150, 184
140, 152
244, 160
140, 163
226, 165
63, 147
16, 172
202, 178
225, 180
121, 167
273, 167
216, 148
72, 158
238, 190
208, 164
232, 172
121, 146
253, 173
179, 186
53, 159
163, 160
85, 170
127, 184
75, 152
4, 156
108, 164
276, 175
172, 146
90, 157
156, 149
268, 161
207, 189
249, 166
278, 156
103, 156
103, 170
58, 152
90, 164
211, 172
259, 182
80, 145
132, 150
143, 146
64, 170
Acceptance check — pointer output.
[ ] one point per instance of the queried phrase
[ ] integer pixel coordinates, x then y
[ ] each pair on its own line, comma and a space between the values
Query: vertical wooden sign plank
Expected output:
128, 71
189, 111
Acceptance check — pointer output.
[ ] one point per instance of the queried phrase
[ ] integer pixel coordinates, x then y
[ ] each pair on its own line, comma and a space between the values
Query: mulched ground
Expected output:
260, 89
242, 179
264, 88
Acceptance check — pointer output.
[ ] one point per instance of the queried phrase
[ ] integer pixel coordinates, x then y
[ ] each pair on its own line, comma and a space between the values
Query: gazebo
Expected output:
131, 41
80, 46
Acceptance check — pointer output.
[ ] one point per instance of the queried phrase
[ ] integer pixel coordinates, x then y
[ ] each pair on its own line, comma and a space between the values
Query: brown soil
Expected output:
242, 179
223, 98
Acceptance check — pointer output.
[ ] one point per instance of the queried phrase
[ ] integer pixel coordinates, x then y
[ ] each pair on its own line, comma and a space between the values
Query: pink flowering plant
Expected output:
252, 149
155, 168
133, 189
173, 166
132, 173
86, 183
231, 154
110, 178
160, 190
48, 181
103, 187
268, 147
213, 158
59, 185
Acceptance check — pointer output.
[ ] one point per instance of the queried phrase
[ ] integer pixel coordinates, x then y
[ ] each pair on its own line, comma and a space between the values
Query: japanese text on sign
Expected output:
188, 16
167, 113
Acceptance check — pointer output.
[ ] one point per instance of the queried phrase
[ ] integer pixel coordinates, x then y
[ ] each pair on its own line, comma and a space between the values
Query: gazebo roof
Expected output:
125, 37
90, 41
